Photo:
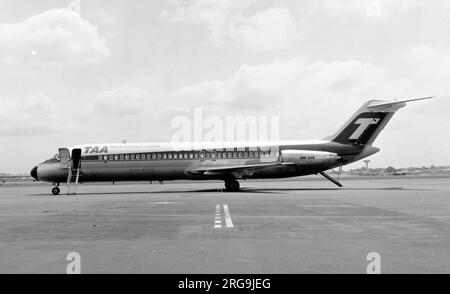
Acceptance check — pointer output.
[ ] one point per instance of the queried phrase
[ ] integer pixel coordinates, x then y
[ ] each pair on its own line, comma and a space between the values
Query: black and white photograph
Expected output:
243, 138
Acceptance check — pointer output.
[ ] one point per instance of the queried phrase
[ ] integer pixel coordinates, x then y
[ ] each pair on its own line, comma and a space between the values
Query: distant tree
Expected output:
390, 170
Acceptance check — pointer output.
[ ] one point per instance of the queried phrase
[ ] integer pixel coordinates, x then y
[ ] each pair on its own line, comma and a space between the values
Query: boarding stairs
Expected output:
73, 177
72, 163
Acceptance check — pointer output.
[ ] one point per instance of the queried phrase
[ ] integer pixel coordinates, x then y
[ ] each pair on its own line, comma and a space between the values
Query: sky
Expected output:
115, 70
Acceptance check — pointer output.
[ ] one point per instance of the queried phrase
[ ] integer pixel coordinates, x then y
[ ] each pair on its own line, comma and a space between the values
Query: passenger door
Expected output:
76, 157
64, 157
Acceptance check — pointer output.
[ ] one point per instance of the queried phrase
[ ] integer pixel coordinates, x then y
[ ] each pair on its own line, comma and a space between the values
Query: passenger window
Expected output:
121, 157
245, 154
191, 155
208, 155
240, 154
153, 156
105, 157
196, 155
164, 156
116, 157
219, 154
230, 154
234, 154
158, 155
138, 156
132, 157
127, 157
100, 157
202, 155
169, 155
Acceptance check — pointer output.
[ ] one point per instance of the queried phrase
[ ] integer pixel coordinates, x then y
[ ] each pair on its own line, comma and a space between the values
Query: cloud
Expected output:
368, 10
315, 85
350, 8
266, 30
54, 37
278, 83
101, 17
122, 101
425, 55
214, 14
428, 67
30, 115
142, 96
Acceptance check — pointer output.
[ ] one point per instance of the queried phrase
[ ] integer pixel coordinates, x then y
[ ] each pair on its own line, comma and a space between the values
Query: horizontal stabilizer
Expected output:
399, 103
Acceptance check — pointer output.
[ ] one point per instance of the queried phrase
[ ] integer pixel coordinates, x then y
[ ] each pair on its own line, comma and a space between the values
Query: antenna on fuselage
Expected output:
124, 141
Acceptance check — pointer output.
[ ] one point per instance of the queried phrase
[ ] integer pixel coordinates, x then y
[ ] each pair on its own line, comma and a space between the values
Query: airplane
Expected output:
227, 161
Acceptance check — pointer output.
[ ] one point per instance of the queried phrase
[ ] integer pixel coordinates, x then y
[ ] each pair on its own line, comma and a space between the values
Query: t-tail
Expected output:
367, 123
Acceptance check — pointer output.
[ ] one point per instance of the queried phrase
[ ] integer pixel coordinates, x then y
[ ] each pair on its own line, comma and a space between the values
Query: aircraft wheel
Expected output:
56, 191
232, 186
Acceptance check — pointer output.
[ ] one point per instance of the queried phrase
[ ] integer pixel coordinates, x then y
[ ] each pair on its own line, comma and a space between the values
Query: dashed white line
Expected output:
228, 220
218, 221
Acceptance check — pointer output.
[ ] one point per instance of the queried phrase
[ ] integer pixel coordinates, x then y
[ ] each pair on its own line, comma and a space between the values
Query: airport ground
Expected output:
289, 226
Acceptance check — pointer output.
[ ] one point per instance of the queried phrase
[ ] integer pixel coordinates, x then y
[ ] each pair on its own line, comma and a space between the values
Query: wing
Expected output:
237, 169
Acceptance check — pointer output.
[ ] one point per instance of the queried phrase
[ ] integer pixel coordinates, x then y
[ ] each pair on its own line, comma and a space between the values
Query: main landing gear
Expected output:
232, 185
56, 190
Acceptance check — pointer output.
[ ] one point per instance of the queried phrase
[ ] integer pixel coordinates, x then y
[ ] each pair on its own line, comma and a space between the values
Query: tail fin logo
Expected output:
363, 123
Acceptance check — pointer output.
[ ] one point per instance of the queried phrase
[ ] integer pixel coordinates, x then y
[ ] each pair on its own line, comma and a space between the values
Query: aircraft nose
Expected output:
34, 172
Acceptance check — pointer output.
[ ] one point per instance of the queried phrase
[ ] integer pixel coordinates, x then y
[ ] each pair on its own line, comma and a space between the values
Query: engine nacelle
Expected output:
307, 157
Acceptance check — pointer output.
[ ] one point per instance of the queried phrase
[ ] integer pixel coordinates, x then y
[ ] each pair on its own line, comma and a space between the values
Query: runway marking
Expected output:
156, 203
218, 218
313, 217
228, 220
217, 221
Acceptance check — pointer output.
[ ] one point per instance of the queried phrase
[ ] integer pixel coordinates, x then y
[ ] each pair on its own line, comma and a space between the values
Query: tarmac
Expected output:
269, 227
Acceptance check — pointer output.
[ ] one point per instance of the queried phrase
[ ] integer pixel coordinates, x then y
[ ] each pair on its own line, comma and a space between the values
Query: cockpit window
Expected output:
53, 158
